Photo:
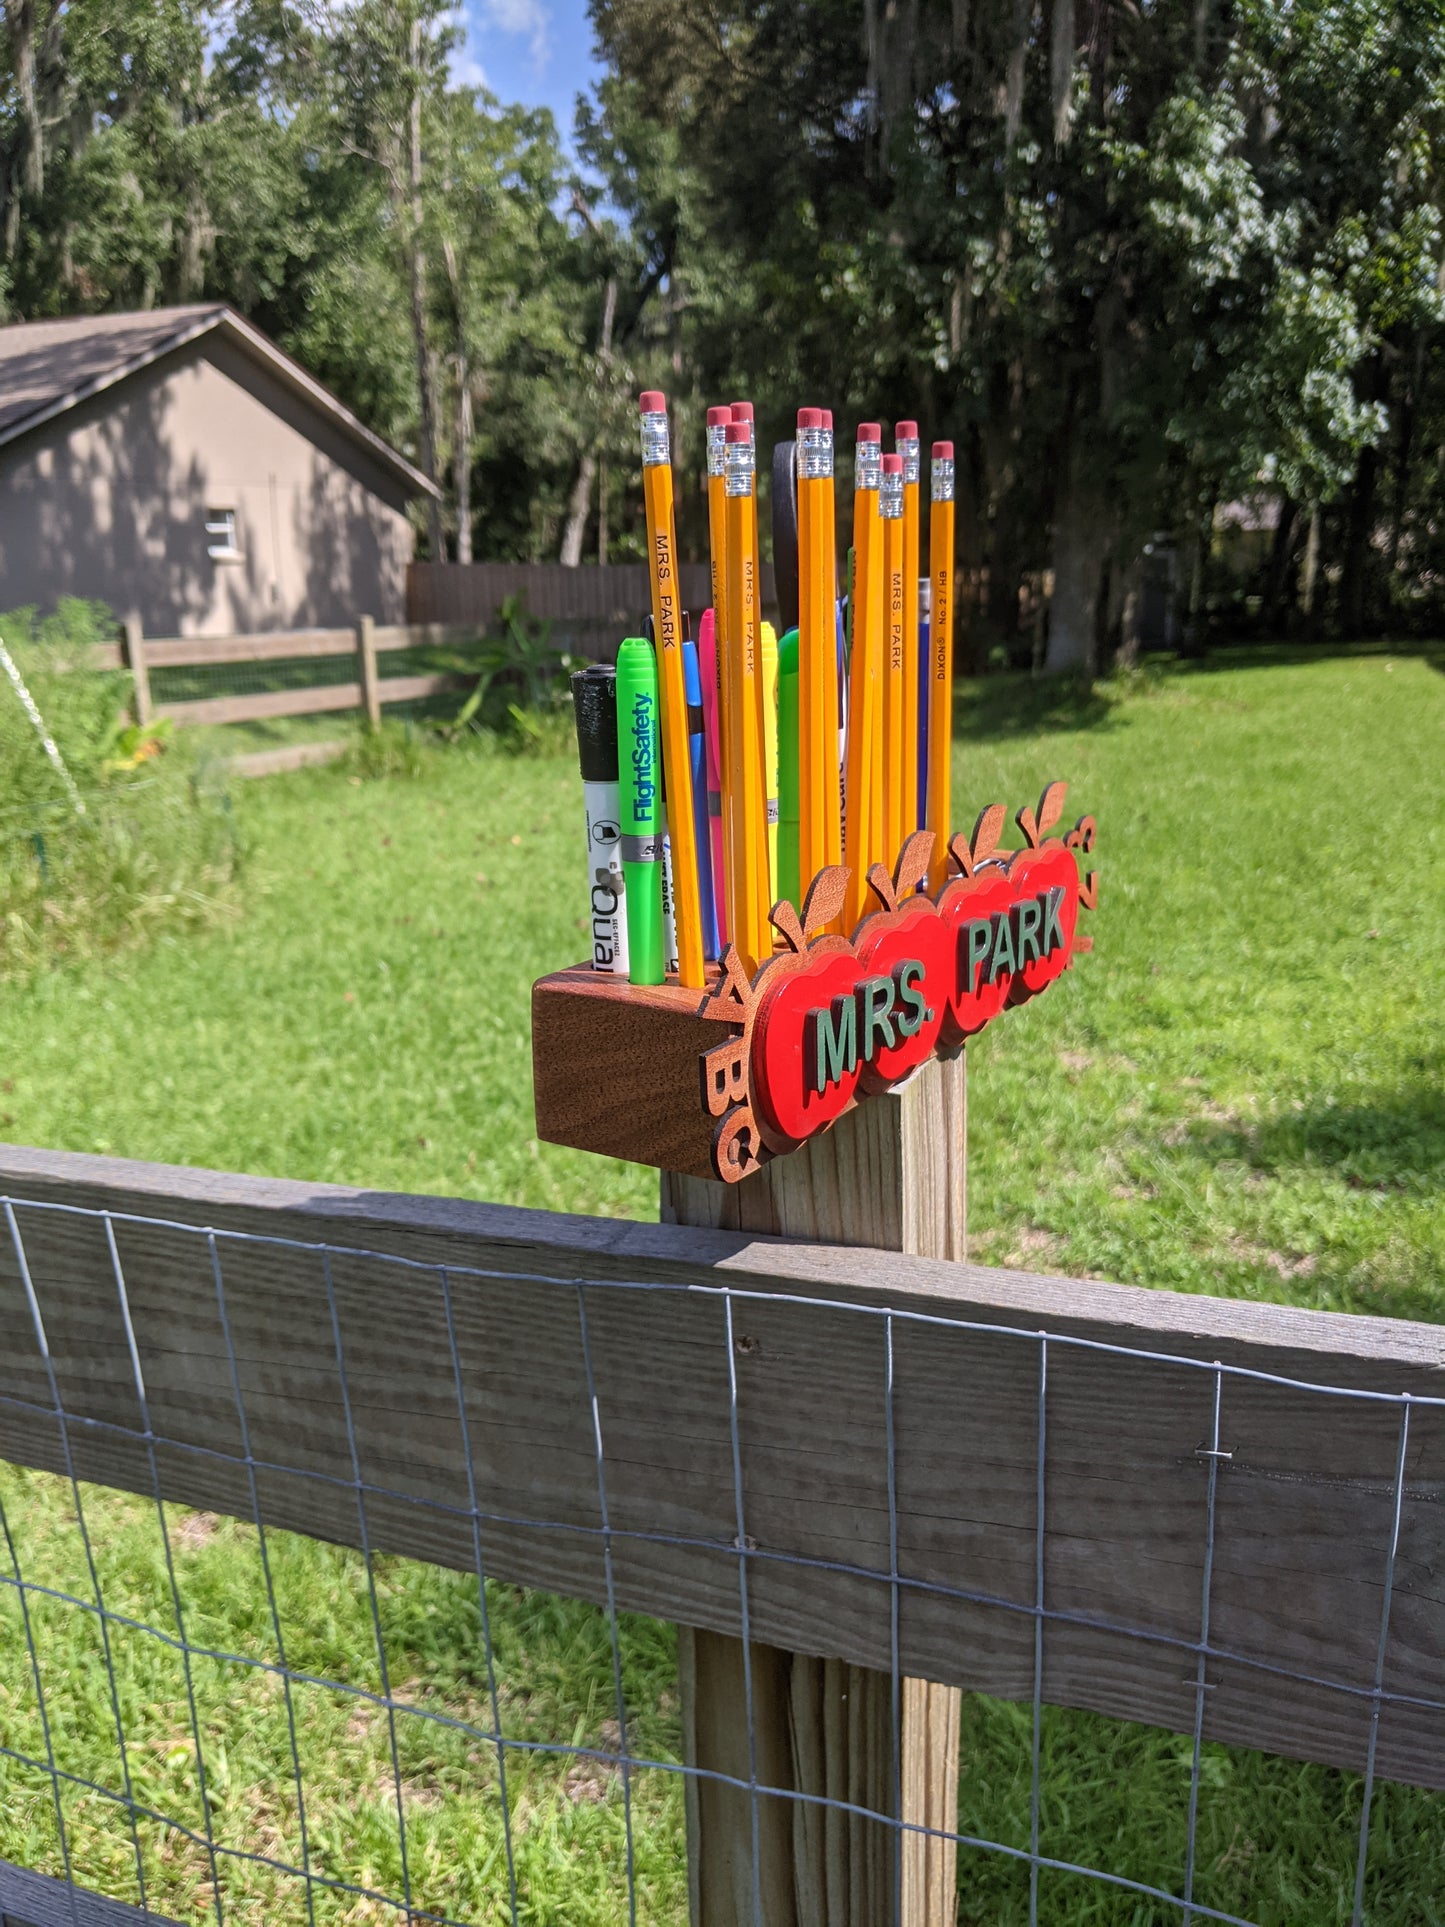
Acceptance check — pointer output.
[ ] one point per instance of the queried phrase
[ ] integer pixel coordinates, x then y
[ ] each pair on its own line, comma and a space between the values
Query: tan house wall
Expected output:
111, 500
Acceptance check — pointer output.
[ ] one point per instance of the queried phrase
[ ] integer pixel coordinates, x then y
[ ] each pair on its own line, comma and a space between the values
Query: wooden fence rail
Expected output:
591, 607
1318, 1539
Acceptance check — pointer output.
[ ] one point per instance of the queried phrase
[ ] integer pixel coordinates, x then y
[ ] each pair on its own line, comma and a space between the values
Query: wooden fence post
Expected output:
892, 1174
366, 667
135, 661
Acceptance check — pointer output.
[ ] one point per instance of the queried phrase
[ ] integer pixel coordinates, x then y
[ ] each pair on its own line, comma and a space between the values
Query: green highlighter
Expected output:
789, 807
639, 769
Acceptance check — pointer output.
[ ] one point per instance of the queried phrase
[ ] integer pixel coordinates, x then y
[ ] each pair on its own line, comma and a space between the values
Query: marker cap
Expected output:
594, 700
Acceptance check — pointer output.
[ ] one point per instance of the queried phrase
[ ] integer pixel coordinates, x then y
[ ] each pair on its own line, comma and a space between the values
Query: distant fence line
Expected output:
591, 608
359, 648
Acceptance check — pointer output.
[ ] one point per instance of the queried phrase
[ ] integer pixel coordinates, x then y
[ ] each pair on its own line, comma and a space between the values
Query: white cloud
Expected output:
529, 17
466, 68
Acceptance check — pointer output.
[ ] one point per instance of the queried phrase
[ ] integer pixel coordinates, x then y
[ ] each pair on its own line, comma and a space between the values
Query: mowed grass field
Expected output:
1241, 1091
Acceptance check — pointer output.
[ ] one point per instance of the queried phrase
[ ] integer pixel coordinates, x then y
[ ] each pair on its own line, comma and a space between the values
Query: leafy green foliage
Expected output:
149, 850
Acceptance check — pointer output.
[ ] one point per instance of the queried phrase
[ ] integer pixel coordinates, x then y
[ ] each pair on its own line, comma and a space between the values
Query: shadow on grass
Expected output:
1289, 655
1394, 1142
990, 707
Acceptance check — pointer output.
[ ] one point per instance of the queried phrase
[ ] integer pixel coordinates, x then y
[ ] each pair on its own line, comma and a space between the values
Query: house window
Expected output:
221, 535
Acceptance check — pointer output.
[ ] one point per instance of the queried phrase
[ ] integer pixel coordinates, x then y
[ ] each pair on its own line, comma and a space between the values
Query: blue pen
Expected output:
697, 755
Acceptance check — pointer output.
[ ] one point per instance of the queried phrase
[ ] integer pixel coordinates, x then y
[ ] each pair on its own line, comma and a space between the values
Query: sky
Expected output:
538, 52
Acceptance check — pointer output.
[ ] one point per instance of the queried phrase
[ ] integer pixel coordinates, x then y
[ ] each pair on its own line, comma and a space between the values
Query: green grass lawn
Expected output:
1242, 1091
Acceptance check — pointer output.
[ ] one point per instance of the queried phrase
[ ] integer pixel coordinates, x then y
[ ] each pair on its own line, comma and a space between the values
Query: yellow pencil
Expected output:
940, 661
742, 412
863, 826
832, 717
672, 690
890, 504
816, 757
905, 442
746, 816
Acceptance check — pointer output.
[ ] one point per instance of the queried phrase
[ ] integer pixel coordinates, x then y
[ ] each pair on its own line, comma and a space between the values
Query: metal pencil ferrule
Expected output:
942, 480
738, 469
868, 465
890, 498
656, 451
815, 454
908, 449
716, 448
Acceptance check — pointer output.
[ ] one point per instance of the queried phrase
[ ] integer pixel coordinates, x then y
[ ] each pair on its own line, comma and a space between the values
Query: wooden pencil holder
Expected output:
713, 1085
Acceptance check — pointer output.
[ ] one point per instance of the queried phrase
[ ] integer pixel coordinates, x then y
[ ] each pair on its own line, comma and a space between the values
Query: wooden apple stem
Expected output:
960, 852
881, 885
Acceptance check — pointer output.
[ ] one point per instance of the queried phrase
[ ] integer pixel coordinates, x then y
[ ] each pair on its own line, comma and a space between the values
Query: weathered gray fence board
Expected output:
1305, 1503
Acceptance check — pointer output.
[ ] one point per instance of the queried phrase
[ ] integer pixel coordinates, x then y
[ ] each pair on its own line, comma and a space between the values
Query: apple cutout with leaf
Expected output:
970, 907
904, 958
1045, 876
804, 1038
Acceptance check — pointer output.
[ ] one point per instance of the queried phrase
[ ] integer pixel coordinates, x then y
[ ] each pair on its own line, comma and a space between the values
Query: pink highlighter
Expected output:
707, 664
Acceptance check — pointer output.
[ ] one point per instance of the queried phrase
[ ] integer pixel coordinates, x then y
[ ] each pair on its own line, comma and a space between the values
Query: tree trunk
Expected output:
1061, 70
21, 16
580, 501
1080, 523
1276, 587
416, 279
462, 460
602, 515
1310, 572
1357, 565
578, 504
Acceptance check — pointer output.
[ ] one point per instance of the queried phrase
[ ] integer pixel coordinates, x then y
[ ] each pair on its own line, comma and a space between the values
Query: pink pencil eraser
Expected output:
652, 402
869, 432
810, 418
827, 421
905, 431
737, 432
719, 417
892, 464
943, 451
742, 411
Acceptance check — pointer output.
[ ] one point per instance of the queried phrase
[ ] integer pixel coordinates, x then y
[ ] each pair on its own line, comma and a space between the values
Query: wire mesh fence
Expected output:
279, 1515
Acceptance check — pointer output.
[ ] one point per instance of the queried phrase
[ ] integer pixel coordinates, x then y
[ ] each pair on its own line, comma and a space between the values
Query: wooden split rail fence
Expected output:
1219, 1517
364, 688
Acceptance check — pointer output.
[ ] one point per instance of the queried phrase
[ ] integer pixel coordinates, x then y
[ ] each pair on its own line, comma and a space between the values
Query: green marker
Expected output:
639, 769
789, 810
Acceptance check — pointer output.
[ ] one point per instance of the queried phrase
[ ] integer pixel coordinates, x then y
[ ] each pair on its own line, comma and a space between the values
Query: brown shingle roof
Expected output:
48, 366
42, 362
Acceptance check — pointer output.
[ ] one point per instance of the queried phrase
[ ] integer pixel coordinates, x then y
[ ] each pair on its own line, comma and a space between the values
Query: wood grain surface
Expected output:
1306, 1500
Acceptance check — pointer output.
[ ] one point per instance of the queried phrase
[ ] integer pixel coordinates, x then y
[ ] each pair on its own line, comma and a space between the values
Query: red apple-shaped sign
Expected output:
973, 911
804, 1060
903, 964
1046, 916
